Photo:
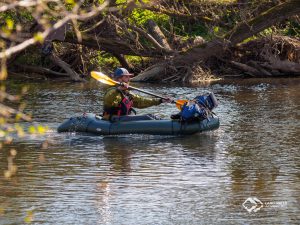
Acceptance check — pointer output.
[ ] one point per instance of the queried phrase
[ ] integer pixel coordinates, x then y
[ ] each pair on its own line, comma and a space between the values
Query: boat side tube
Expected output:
93, 124
86, 123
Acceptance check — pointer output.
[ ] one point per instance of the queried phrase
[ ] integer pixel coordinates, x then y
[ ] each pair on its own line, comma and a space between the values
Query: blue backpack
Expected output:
199, 108
191, 110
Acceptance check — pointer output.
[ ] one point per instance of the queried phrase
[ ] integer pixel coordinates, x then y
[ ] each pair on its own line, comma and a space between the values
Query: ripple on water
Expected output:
144, 179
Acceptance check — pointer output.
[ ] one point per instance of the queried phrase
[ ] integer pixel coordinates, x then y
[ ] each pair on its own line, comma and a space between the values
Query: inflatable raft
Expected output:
91, 123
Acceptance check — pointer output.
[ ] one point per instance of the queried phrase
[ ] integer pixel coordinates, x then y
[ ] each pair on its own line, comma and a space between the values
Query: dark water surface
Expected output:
142, 179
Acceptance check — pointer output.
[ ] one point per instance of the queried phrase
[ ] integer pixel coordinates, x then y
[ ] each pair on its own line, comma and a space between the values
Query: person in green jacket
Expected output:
119, 102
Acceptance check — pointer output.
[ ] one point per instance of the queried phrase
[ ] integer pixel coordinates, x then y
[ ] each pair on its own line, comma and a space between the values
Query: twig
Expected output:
6, 111
4, 95
24, 4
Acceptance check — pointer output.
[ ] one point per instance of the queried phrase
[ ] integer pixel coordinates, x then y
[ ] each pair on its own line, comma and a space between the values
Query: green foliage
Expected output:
187, 29
134, 59
39, 129
23, 15
292, 29
31, 57
141, 16
105, 60
70, 2
26, 15
249, 39
10, 126
7, 15
139, 62
125, 2
38, 37
9, 22
267, 32
118, 2
217, 32
29, 216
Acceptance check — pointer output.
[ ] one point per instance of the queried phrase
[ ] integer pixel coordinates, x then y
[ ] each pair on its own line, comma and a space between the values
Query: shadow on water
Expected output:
200, 145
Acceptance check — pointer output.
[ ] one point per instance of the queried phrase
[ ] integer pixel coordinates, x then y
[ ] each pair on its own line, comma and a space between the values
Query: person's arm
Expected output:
112, 98
142, 102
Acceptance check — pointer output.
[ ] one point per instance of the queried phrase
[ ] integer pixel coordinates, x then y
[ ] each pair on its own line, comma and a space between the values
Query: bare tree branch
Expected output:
23, 3
8, 52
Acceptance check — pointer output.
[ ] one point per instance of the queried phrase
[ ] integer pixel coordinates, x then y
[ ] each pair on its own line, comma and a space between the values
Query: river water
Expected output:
246, 172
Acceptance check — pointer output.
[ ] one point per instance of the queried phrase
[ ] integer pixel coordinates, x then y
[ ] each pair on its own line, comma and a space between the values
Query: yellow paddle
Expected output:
107, 80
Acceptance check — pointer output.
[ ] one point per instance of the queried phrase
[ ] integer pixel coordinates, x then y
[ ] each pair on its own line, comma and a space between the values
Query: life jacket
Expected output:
124, 108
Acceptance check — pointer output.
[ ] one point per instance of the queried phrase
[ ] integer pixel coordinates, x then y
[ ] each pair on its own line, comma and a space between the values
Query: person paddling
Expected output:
119, 102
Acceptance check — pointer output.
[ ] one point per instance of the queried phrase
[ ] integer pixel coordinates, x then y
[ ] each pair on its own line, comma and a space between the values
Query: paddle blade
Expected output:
180, 103
103, 78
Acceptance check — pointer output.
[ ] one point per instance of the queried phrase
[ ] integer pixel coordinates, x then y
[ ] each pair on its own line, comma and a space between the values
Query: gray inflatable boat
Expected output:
91, 123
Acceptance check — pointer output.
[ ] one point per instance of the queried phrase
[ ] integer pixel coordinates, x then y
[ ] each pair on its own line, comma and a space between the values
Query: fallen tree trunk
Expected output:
21, 75
40, 70
247, 69
257, 66
284, 66
191, 57
150, 73
216, 47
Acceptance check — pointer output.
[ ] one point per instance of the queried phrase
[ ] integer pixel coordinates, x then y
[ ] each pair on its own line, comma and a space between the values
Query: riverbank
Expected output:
268, 57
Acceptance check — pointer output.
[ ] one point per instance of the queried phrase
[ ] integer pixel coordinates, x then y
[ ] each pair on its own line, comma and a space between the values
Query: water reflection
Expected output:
145, 169
119, 150
261, 144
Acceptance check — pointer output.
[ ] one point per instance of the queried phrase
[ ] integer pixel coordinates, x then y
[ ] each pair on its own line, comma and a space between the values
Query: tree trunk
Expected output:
122, 61
158, 34
73, 75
